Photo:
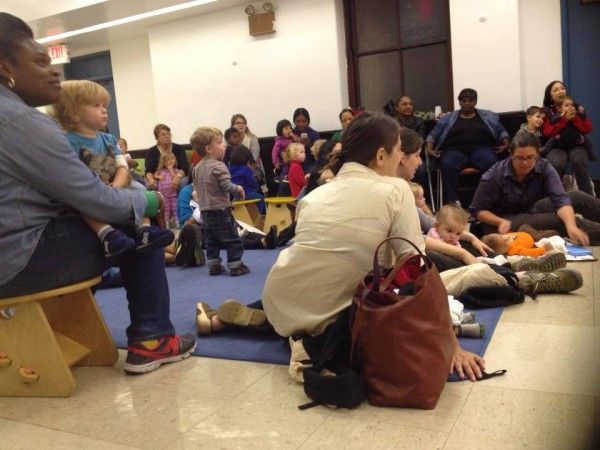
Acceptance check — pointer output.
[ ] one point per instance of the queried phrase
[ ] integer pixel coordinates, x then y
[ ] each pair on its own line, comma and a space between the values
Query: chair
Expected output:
467, 171
278, 213
246, 211
42, 335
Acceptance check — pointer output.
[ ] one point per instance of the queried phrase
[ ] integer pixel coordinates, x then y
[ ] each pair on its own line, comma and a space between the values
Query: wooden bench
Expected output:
43, 335
278, 213
246, 211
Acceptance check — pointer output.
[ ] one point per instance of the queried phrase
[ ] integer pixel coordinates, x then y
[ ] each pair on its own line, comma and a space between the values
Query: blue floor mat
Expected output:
191, 285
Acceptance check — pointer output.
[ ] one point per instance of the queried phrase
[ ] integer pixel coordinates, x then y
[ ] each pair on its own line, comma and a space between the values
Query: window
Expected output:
398, 47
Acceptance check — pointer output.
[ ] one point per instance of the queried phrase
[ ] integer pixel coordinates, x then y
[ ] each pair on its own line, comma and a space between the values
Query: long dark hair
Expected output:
548, 102
364, 137
411, 141
301, 112
12, 32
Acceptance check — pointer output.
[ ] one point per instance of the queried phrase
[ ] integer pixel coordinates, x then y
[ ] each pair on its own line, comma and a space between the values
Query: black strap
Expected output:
308, 405
487, 376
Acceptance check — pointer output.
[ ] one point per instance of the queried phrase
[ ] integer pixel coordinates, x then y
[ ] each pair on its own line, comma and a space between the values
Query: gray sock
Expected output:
474, 330
467, 317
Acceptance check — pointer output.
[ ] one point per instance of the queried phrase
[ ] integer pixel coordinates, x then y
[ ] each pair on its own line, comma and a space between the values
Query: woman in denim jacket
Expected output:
469, 137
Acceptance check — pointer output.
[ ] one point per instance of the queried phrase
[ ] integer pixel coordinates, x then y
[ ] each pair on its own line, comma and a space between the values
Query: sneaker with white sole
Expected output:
141, 359
559, 281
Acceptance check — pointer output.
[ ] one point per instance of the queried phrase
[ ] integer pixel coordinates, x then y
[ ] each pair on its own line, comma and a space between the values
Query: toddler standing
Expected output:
212, 182
81, 111
295, 154
285, 137
166, 173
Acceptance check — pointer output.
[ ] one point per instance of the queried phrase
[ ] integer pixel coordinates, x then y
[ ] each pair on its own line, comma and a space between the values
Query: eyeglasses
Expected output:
239, 123
523, 159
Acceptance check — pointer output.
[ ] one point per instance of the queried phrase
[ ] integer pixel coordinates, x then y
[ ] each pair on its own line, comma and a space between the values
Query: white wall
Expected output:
509, 57
208, 67
485, 55
182, 73
134, 90
540, 46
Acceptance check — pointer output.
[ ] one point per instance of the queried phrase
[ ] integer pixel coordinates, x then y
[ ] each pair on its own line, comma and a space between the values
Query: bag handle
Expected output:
376, 267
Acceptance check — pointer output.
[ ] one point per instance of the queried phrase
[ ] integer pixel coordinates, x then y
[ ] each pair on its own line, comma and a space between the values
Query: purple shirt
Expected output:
501, 193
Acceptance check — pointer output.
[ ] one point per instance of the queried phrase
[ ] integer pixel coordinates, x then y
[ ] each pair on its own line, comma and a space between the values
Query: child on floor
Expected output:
535, 120
165, 174
516, 243
240, 167
451, 222
285, 137
212, 182
295, 154
81, 111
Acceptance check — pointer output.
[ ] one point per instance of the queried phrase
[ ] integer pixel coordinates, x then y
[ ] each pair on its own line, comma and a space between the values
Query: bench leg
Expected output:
28, 340
77, 316
240, 212
279, 215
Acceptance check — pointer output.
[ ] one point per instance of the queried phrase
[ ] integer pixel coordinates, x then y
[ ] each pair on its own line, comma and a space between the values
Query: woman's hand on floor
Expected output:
578, 236
467, 364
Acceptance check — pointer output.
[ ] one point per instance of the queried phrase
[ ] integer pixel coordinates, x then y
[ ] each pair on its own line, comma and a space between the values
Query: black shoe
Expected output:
115, 243
150, 237
216, 270
240, 270
271, 237
286, 234
185, 246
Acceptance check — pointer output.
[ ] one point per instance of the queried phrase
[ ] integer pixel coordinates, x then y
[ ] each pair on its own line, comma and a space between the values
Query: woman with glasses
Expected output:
250, 141
524, 189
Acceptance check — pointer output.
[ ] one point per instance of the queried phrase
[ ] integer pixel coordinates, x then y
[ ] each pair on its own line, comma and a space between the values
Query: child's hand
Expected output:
241, 193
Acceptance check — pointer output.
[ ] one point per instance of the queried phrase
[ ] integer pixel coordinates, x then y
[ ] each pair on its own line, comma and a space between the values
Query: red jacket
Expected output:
296, 177
581, 122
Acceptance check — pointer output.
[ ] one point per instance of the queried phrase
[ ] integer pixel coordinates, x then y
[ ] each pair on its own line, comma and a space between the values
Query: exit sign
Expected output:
59, 54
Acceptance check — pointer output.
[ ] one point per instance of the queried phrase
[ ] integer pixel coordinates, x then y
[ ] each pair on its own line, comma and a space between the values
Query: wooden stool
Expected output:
246, 211
43, 334
278, 212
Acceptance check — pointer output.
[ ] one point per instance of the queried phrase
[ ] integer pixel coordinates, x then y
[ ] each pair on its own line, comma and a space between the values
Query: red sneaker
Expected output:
141, 359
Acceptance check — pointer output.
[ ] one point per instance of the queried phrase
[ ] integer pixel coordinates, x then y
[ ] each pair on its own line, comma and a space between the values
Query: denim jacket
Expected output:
42, 178
439, 134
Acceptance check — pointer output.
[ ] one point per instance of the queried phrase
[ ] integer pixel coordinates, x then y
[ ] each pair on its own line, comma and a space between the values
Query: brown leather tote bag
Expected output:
402, 342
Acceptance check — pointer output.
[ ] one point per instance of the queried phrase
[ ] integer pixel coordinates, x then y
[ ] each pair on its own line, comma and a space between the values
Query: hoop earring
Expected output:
11, 82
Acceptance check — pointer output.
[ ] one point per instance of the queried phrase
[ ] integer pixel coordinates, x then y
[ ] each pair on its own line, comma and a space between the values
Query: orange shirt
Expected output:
522, 244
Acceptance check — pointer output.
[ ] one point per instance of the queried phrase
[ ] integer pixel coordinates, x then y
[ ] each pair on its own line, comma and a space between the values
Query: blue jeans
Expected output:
455, 159
69, 252
220, 232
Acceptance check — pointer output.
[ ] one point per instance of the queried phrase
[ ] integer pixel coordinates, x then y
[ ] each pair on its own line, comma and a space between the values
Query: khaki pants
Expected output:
474, 275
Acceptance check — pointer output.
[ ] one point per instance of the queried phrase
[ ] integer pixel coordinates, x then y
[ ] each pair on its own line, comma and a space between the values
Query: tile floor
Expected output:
549, 399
